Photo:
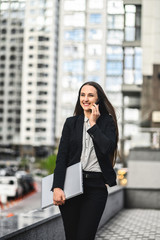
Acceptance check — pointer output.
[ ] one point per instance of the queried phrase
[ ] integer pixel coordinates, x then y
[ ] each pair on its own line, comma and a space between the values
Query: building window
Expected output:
13, 31
75, 35
39, 102
114, 53
3, 48
4, 31
93, 65
114, 68
12, 57
115, 37
75, 5
74, 51
2, 74
2, 57
40, 120
113, 83
40, 129
95, 4
95, 18
41, 111
73, 81
75, 20
42, 93
12, 74
42, 83
115, 7
95, 34
9, 120
132, 22
94, 78
13, 49
74, 66
9, 137
115, 21
132, 65
94, 49
12, 66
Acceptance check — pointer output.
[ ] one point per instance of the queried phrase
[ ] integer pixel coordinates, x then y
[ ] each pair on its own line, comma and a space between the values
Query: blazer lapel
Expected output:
79, 132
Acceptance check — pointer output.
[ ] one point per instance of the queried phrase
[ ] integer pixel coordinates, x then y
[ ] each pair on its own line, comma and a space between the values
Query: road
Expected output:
28, 203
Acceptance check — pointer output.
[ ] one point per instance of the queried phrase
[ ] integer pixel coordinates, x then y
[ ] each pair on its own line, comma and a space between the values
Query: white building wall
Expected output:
150, 35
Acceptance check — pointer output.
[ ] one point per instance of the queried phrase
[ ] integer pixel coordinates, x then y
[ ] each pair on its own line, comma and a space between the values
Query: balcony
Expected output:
131, 89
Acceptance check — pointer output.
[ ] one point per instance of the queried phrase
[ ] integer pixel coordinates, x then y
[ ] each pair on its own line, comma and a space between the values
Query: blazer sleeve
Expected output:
62, 156
105, 140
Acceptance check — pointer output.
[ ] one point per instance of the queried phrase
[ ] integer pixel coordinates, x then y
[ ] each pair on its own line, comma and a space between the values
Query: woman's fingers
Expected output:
95, 110
58, 197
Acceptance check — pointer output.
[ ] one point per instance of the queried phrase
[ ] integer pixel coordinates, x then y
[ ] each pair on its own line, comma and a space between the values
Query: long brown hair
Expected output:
105, 107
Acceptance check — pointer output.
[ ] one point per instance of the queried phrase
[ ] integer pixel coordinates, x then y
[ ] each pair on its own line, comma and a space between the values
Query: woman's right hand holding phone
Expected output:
95, 114
58, 196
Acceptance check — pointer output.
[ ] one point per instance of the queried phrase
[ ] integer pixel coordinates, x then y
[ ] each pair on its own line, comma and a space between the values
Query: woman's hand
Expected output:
58, 196
95, 114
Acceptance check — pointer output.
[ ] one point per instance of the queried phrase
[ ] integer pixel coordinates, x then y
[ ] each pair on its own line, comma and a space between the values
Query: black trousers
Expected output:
81, 215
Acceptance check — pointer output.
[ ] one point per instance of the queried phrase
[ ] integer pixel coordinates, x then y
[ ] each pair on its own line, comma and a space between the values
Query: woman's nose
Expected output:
86, 98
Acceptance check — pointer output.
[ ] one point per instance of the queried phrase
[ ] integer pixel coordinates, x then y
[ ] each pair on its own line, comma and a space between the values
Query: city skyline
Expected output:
48, 50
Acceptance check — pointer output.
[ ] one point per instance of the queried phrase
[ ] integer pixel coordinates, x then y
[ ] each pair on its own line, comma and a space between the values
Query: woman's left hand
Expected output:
95, 114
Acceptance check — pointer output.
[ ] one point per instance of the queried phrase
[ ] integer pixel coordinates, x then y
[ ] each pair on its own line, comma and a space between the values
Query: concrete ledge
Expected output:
51, 227
45, 229
114, 204
142, 198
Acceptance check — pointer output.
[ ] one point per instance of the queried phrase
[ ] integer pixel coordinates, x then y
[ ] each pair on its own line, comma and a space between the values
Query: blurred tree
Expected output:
49, 163
24, 164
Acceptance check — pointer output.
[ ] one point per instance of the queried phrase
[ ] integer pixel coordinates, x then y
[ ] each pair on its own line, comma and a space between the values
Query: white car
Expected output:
10, 187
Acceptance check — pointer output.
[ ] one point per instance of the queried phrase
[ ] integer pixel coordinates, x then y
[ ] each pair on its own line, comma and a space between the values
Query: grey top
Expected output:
88, 157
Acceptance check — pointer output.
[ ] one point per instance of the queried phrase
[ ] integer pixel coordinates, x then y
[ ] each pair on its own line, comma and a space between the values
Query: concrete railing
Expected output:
47, 224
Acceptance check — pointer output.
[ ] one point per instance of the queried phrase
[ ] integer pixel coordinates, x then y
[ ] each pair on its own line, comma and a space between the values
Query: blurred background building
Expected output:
49, 48
28, 74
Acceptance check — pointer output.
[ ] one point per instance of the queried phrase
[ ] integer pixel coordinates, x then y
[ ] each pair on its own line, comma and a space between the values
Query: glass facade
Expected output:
132, 22
114, 56
132, 71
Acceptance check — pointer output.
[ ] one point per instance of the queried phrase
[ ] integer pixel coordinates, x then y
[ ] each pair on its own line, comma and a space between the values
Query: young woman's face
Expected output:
88, 96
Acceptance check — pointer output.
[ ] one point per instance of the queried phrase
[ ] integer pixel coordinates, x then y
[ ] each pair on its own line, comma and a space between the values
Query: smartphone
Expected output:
97, 102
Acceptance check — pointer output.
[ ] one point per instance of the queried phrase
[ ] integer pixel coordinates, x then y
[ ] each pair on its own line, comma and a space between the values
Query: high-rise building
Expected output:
151, 65
82, 51
90, 50
11, 58
114, 56
132, 73
101, 41
48, 49
28, 72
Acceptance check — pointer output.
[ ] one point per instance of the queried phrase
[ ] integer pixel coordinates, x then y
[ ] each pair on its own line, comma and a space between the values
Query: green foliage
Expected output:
49, 164
24, 165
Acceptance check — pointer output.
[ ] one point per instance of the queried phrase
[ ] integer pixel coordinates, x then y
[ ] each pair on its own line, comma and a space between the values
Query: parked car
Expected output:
10, 187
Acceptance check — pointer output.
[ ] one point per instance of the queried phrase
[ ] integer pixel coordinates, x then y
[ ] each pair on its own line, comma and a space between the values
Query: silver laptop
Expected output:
73, 185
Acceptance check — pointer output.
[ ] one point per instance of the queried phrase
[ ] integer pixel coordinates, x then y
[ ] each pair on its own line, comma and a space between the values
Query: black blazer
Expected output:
103, 134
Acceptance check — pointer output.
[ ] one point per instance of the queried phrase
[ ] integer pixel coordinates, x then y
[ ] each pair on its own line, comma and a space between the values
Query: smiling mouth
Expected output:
86, 104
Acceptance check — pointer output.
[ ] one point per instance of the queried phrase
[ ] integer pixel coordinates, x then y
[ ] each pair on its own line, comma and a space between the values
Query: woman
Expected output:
90, 136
